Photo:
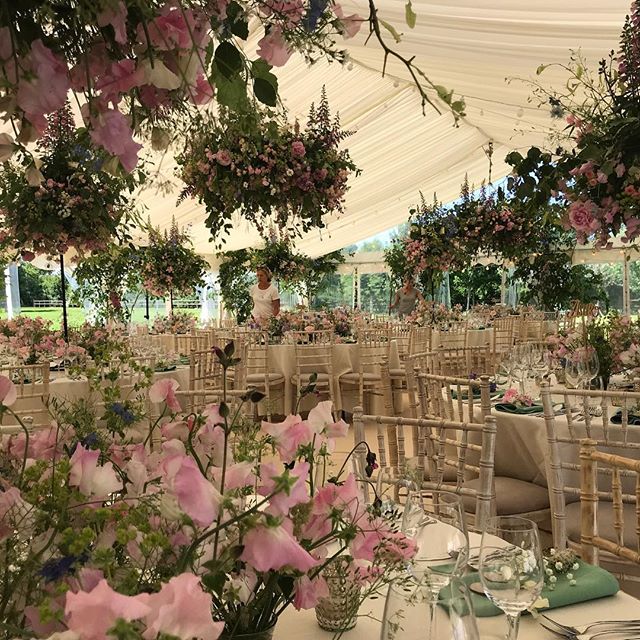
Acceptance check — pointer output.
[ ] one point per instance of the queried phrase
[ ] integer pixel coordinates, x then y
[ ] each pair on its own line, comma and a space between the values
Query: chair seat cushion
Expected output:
512, 496
256, 378
354, 378
605, 522
322, 377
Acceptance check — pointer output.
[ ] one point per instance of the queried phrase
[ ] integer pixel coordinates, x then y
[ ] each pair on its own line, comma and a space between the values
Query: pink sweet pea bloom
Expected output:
163, 390
196, 496
11, 502
321, 420
349, 25
237, 475
89, 477
91, 614
181, 609
375, 537
272, 548
282, 502
112, 131
202, 92
119, 78
8, 391
308, 593
117, 18
273, 48
288, 435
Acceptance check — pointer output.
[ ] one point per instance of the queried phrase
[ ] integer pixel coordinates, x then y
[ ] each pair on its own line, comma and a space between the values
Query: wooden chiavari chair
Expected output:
432, 454
32, 386
453, 398
419, 340
184, 344
620, 537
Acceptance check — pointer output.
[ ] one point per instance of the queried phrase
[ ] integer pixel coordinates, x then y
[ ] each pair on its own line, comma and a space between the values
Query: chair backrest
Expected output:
456, 336
198, 399
184, 344
419, 340
585, 414
593, 538
457, 361
433, 449
451, 398
373, 349
401, 333
32, 386
204, 370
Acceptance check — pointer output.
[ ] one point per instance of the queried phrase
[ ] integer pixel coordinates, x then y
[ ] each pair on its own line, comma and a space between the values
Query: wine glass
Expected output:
573, 370
511, 568
591, 364
408, 602
435, 521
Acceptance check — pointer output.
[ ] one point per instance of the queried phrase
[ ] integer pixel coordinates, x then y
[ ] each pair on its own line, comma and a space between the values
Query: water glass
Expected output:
511, 568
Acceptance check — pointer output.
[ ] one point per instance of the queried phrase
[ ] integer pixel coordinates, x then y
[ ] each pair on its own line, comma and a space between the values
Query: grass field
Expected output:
76, 315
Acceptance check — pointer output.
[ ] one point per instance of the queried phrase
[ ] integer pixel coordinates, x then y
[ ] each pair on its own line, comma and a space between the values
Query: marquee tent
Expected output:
482, 49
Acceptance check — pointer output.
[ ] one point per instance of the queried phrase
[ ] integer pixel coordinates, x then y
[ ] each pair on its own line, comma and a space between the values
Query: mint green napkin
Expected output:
508, 407
171, 367
591, 583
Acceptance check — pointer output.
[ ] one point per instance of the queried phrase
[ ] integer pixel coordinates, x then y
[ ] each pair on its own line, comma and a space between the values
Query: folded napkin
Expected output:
591, 583
508, 407
184, 360
631, 418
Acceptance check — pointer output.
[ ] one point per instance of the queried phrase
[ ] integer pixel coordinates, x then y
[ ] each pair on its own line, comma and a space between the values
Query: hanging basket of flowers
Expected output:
170, 265
270, 172
64, 202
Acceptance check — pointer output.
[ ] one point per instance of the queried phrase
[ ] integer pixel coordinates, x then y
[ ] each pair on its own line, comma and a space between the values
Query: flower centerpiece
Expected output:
175, 322
205, 536
66, 201
271, 172
428, 313
170, 265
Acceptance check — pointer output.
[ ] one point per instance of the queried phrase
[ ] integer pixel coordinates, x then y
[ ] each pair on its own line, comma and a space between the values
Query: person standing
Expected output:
265, 296
406, 299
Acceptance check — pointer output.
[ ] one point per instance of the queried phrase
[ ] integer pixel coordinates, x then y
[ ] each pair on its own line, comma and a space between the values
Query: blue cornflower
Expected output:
316, 9
57, 568
90, 441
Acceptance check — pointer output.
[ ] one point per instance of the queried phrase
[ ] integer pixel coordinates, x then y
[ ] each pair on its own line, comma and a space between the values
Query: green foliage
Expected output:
478, 284
37, 284
235, 278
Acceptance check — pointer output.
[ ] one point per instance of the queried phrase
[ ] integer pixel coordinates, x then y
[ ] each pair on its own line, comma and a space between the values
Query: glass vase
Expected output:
338, 611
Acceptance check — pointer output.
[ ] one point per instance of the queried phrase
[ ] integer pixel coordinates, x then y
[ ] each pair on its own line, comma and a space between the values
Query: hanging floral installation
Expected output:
269, 171
141, 67
169, 264
65, 203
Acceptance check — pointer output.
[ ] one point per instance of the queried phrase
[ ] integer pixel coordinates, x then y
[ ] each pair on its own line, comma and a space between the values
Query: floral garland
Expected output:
65, 203
169, 263
271, 172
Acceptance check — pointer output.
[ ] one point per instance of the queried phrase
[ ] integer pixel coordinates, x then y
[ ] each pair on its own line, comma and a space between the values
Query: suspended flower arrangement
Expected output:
169, 265
65, 203
270, 172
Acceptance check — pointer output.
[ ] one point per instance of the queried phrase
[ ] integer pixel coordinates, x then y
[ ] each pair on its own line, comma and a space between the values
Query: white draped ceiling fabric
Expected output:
482, 49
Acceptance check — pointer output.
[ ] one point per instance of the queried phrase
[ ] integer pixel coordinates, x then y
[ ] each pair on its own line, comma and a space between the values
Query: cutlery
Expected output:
615, 626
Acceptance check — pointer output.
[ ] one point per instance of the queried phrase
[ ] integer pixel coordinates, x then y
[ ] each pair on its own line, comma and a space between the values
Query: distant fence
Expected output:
47, 303
186, 304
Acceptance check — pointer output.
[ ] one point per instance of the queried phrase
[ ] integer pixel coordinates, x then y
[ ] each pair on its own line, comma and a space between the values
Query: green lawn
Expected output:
76, 315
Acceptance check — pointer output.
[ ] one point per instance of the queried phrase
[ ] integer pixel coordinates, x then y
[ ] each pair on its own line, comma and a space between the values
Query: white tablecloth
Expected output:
475, 338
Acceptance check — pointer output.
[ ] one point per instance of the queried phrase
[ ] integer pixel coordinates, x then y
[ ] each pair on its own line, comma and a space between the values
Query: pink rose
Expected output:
297, 148
223, 157
581, 216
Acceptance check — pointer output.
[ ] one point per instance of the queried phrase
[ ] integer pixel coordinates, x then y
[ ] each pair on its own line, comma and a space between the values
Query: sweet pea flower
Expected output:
282, 502
273, 48
270, 548
196, 496
11, 503
288, 435
376, 538
8, 391
111, 131
163, 390
348, 25
91, 614
308, 593
321, 420
203, 91
236, 476
89, 477
181, 609
116, 16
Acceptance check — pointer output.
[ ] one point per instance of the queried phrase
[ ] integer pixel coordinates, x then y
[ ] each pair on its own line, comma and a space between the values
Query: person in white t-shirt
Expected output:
265, 296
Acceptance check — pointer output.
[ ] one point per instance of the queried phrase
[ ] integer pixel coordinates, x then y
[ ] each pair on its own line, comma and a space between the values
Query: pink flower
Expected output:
308, 593
47, 90
8, 391
375, 538
581, 216
203, 91
288, 435
112, 131
223, 157
297, 148
163, 390
12, 504
89, 477
119, 78
273, 48
181, 609
117, 18
196, 496
91, 614
272, 548
282, 502
237, 475
321, 420
509, 395
349, 25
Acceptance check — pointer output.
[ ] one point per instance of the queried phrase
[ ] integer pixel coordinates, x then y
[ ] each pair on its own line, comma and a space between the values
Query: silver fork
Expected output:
571, 632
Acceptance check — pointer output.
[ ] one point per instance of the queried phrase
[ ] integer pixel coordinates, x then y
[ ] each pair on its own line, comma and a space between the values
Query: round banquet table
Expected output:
474, 337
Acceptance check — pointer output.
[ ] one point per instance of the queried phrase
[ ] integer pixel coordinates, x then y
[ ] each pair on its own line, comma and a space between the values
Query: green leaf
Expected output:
231, 93
228, 60
265, 92
443, 93
238, 24
396, 36
409, 15
214, 581
541, 68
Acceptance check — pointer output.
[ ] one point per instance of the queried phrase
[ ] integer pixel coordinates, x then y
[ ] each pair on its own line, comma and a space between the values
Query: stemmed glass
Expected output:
574, 370
435, 521
511, 568
406, 606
